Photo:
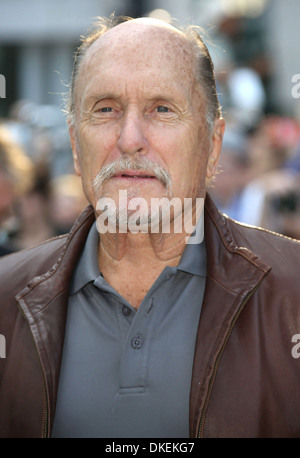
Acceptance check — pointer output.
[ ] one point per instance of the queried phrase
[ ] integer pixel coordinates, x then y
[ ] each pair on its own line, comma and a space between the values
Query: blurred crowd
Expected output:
258, 180
40, 196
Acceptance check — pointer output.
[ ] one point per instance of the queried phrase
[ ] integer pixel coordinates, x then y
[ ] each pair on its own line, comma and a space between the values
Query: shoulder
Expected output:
280, 253
29, 263
21, 266
268, 250
17, 270
266, 243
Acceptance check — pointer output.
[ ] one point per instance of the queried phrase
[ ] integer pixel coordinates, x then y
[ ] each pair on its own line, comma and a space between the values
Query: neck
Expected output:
161, 242
131, 262
140, 247
165, 246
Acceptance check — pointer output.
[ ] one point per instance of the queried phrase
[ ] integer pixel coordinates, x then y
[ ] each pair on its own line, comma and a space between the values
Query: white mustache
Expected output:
141, 164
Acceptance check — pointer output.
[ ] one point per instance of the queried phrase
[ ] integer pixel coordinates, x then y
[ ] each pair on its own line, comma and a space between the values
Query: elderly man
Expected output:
142, 333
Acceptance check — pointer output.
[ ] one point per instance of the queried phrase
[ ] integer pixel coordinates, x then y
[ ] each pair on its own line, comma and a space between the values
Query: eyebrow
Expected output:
97, 97
175, 94
151, 97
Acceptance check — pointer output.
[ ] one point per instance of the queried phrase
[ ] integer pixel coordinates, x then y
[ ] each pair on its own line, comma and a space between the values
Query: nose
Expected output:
132, 137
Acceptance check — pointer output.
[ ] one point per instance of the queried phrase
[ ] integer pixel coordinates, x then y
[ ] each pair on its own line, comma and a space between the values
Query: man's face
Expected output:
137, 100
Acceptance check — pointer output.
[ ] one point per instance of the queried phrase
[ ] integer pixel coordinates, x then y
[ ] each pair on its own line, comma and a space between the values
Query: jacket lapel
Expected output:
44, 305
233, 274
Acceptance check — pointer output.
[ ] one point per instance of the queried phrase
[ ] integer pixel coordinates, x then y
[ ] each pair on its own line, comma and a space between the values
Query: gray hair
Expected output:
204, 69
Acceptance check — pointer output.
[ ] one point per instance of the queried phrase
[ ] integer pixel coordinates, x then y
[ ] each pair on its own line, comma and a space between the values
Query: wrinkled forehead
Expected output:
145, 42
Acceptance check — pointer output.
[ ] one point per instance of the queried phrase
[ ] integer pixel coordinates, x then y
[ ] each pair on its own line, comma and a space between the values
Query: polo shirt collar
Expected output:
193, 259
87, 269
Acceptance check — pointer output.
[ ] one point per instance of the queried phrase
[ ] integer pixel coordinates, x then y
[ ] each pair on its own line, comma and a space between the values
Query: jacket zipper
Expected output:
45, 416
45, 396
211, 382
45, 400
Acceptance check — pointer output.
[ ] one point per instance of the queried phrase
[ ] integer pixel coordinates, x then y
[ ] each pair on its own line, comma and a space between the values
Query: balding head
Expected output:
143, 36
148, 36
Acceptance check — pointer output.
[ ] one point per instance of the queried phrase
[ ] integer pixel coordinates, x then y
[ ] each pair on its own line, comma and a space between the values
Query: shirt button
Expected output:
137, 342
126, 310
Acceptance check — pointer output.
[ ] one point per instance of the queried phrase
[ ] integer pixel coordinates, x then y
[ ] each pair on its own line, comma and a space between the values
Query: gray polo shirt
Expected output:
127, 373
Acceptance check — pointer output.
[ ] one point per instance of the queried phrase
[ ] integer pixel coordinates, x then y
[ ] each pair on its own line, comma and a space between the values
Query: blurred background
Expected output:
254, 45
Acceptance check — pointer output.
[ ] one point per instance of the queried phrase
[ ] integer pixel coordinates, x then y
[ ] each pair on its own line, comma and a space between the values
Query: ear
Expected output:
216, 147
74, 147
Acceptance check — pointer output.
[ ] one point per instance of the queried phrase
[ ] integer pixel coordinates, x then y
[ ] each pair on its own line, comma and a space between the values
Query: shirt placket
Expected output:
136, 346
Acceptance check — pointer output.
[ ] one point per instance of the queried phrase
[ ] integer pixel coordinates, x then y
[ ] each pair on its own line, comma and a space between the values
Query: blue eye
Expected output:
106, 110
162, 109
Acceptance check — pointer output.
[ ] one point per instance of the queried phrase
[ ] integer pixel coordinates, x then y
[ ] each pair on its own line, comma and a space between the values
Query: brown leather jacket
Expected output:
246, 376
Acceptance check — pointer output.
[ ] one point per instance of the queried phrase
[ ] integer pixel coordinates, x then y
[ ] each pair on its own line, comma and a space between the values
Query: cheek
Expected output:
196, 165
92, 152
95, 149
187, 163
195, 153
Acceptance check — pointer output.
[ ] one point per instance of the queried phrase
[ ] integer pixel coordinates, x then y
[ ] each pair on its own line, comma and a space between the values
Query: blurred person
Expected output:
270, 147
251, 74
272, 142
16, 172
147, 334
32, 211
67, 201
233, 174
280, 206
